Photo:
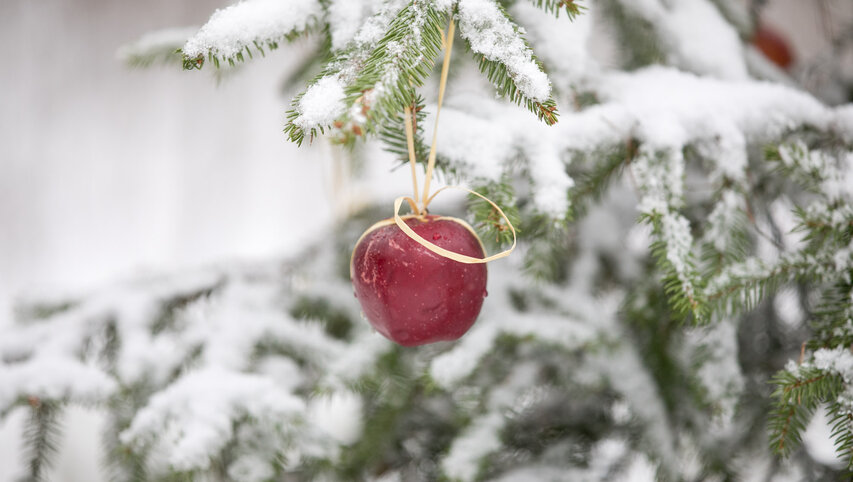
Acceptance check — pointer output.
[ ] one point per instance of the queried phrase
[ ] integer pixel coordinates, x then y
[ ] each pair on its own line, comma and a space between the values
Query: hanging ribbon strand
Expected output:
445, 68
421, 210
410, 141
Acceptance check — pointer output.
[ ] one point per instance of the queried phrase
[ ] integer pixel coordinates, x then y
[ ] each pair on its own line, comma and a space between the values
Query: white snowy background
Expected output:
107, 172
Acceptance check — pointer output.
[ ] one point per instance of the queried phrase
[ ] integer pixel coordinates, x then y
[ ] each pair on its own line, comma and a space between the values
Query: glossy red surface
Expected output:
411, 295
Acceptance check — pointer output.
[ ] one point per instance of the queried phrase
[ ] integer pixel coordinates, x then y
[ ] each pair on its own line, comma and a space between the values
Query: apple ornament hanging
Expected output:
421, 278
412, 295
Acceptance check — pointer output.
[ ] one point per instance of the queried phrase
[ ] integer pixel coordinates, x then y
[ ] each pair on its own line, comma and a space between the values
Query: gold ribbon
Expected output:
422, 209
438, 249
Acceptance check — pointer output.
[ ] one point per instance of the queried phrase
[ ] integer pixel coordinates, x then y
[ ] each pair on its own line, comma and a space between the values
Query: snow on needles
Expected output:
193, 418
53, 378
663, 108
491, 34
321, 104
670, 108
249, 23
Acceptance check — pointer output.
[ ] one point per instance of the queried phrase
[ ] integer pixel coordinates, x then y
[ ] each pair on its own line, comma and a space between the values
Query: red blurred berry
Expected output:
773, 45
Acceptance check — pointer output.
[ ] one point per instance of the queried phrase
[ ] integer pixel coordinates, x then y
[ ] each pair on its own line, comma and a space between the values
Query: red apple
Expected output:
411, 295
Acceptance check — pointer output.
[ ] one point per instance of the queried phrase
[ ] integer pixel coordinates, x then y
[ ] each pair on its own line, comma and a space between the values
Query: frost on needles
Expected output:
686, 238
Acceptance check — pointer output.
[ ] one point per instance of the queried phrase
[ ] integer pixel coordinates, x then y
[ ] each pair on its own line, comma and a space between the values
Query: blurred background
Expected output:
108, 171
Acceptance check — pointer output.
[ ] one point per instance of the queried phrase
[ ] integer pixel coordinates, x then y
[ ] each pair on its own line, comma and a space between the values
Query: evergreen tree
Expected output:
680, 305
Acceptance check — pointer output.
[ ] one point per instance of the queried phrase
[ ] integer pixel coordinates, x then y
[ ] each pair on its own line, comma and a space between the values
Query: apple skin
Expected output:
411, 295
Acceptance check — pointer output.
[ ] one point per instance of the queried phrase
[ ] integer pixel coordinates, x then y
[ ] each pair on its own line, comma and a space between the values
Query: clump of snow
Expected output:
492, 35
675, 232
485, 150
671, 108
663, 108
193, 419
52, 377
232, 29
321, 104
231, 325
834, 171
788, 307
473, 144
660, 176
837, 360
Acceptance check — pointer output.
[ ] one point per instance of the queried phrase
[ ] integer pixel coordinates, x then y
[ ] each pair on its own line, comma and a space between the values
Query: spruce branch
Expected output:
726, 239
403, 57
659, 176
374, 89
393, 136
673, 251
237, 32
487, 220
740, 287
514, 70
549, 248
841, 421
797, 395
797, 161
572, 7
592, 184
41, 437
832, 320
